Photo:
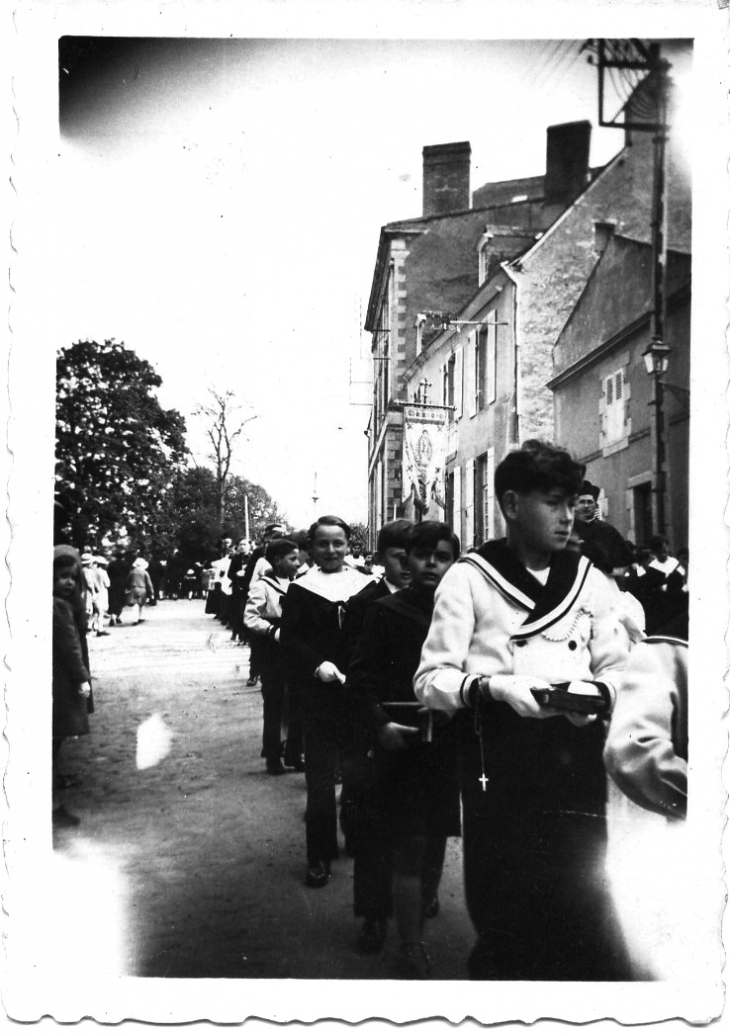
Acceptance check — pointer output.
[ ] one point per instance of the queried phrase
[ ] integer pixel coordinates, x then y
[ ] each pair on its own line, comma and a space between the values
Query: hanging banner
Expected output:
424, 454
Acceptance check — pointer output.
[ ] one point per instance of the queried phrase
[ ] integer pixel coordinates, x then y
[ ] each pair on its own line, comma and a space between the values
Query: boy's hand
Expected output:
329, 672
396, 737
516, 690
85, 689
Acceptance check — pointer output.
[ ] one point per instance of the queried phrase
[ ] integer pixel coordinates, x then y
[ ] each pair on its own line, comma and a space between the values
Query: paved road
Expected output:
193, 857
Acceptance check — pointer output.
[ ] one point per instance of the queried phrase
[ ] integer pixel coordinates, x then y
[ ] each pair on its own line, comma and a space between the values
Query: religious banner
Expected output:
424, 454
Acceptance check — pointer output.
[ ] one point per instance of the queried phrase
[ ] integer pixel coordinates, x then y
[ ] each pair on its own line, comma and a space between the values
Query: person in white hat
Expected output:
139, 589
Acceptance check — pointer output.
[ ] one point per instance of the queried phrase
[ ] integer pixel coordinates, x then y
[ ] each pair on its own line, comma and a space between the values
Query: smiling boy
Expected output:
518, 615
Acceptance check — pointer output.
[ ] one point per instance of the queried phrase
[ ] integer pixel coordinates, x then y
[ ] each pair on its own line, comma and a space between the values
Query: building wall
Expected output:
552, 277
624, 469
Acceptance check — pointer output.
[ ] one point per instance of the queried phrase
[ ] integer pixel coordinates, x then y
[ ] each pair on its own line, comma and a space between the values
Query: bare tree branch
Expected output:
223, 430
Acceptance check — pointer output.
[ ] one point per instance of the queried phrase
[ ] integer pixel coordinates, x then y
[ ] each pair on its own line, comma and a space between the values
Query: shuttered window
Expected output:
615, 412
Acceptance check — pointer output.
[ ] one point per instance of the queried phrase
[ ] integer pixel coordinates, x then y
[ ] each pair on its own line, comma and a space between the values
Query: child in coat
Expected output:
71, 682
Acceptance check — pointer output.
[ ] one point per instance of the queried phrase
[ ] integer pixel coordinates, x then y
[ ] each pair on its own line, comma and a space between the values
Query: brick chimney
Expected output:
568, 153
446, 169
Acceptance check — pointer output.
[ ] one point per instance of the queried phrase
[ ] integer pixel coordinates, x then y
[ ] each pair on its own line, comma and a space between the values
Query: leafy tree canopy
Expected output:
117, 449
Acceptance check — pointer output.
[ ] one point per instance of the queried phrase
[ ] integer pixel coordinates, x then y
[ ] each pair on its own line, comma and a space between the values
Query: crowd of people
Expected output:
455, 695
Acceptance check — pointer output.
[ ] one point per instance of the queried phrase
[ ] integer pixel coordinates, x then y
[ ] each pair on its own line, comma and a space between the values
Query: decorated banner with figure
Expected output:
424, 454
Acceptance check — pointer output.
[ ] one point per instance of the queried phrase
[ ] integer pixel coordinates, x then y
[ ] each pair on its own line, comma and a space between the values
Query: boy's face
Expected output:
428, 564
540, 521
64, 582
288, 565
394, 561
329, 547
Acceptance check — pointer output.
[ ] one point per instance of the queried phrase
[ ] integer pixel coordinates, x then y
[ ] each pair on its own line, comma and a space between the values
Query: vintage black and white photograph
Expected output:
369, 412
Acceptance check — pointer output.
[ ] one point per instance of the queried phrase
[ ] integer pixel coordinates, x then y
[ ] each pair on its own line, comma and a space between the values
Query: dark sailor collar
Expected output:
547, 603
409, 604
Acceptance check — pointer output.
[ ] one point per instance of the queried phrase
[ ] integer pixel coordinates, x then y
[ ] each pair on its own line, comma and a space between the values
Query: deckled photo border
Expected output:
31, 118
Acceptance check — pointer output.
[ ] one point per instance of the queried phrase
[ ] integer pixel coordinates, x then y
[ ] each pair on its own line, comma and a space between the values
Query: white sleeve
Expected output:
609, 643
441, 677
254, 613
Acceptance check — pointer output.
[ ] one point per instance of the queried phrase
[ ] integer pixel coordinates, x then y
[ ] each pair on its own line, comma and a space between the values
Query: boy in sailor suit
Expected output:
262, 618
517, 616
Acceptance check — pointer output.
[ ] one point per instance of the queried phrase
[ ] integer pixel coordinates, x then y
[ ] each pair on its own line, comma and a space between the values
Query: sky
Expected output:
221, 202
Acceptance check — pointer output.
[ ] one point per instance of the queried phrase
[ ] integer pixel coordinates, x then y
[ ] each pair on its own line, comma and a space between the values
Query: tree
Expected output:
117, 449
223, 430
190, 521
262, 509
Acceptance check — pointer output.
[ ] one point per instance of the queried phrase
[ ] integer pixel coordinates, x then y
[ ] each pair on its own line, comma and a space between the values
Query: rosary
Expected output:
483, 778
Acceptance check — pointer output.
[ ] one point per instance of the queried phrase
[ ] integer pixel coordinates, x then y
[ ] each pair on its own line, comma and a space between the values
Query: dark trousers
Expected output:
273, 691
293, 720
534, 851
322, 736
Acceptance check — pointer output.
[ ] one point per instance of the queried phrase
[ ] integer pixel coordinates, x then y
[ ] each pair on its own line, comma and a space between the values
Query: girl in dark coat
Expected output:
71, 684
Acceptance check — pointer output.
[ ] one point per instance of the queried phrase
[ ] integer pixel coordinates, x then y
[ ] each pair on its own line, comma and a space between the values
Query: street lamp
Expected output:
656, 360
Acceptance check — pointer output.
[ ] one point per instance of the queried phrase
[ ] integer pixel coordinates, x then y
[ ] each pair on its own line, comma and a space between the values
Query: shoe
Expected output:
275, 767
252, 681
63, 819
102, 633
318, 875
372, 936
413, 962
297, 763
431, 908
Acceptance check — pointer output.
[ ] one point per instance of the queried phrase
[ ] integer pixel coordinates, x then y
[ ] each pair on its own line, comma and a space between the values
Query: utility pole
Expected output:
315, 497
634, 56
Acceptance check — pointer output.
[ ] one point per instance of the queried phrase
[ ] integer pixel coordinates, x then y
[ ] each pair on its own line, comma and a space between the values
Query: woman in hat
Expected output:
139, 589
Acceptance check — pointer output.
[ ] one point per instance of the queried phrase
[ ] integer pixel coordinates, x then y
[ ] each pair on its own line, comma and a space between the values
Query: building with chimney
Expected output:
436, 264
491, 366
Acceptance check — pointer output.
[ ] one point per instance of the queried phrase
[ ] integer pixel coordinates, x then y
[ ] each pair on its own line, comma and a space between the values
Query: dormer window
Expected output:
483, 248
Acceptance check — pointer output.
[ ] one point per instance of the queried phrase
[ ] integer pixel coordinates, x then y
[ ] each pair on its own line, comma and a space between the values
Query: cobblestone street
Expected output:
198, 854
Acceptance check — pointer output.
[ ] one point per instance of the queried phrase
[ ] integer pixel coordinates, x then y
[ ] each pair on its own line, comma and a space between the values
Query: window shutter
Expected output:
459, 383
489, 523
457, 502
472, 382
491, 385
469, 513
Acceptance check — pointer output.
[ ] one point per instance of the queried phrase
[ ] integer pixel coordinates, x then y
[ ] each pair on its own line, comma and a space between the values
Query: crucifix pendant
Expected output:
483, 780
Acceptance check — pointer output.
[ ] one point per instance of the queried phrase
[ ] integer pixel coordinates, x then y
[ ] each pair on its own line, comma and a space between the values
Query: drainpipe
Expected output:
516, 408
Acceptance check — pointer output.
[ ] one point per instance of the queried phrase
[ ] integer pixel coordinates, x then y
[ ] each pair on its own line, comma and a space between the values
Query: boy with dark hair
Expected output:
262, 618
416, 793
512, 619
